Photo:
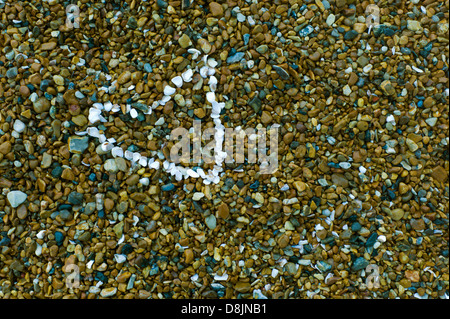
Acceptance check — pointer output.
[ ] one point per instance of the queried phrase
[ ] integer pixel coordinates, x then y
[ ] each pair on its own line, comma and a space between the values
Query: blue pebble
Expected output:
405, 50
44, 85
59, 237
255, 185
306, 31
335, 33
167, 209
420, 104
168, 187
92, 177
391, 194
356, 226
154, 270
359, 263
57, 172
101, 214
350, 35
148, 68
236, 57
5, 241
246, 38
75, 198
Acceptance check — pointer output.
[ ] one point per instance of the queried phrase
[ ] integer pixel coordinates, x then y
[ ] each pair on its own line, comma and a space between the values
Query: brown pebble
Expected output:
242, 287
22, 211
188, 256
216, 9
109, 204
223, 210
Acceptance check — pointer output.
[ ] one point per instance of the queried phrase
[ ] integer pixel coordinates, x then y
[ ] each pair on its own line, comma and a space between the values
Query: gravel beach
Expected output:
356, 94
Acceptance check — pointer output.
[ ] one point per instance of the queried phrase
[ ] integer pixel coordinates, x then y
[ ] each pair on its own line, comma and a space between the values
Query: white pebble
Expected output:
168, 90
108, 106
19, 126
120, 258
106, 146
160, 121
117, 151
213, 83
133, 113
144, 181
211, 97
178, 81
187, 75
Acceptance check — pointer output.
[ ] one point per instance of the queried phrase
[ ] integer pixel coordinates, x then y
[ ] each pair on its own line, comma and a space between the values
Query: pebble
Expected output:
108, 292
184, 41
41, 105
397, 214
331, 19
235, 57
15, 198
216, 9
12, 73
78, 144
359, 264
19, 126
211, 221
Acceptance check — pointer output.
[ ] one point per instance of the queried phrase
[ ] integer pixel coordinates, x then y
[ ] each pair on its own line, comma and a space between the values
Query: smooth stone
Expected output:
89, 208
256, 104
5, 147
110, 166
168, 187
41, 105
184, 41
339, 180
291, 268
242, 287
387, 87
306, 31
359, 264
216, 9
80, 120
397, 213
431, 121
235, 57
121, 164
413, 25
211, 221
16, 198
263, 48
223, 211
204, 45
12, 73
19, 126
330, 19
108, 292
281, 72
350, 35
78, 144
75, 198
